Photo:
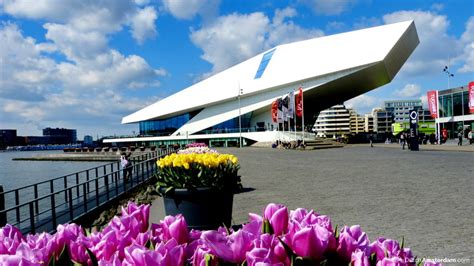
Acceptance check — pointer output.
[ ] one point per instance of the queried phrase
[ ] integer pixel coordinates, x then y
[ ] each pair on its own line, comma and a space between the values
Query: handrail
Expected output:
79, 194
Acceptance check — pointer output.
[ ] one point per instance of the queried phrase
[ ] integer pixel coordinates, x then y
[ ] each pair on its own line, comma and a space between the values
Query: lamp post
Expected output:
449, 75
240, 92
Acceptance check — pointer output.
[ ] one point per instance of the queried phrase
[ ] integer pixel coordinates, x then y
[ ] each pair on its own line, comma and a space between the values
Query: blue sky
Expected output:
86, 64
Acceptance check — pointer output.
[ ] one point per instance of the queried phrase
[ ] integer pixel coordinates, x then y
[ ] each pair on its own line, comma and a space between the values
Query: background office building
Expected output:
357, 122
454, 110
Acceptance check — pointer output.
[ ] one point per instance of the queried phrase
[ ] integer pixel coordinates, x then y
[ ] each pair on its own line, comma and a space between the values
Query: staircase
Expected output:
318, 144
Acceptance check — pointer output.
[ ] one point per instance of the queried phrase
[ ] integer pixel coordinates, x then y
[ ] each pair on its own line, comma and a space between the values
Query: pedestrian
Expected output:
371, 140
126, 166
460, 138
469, 137
402, 140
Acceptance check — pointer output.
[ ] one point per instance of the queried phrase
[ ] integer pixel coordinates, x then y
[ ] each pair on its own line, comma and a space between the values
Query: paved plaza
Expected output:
426, 196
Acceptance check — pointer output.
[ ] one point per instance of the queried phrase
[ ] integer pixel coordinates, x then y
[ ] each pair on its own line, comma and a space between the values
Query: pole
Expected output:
240, 119
3, 216
302, 115
438, 130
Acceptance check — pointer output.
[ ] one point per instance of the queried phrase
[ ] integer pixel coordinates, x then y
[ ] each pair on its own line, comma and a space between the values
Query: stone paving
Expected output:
427, 197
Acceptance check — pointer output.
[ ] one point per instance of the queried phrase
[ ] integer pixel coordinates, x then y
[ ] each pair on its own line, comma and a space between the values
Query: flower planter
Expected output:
203, 208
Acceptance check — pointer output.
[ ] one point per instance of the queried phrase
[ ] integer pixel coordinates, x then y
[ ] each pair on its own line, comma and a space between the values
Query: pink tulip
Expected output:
231, 248
140, 213
277, 215
359, 258
199, 256
350, 239
313, 241
391, 249
10, 238
171, 227
267, 250
394, 261
15, 260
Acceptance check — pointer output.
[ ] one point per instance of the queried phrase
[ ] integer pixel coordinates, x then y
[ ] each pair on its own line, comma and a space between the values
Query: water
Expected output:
18, 174
15, 174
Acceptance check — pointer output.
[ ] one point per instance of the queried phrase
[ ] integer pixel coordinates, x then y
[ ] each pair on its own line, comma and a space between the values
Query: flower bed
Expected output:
299, 237
193, 170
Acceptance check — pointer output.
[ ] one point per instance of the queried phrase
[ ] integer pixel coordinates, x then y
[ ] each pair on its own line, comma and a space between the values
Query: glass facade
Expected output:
264, 63
230, 126
165, 127
454, 103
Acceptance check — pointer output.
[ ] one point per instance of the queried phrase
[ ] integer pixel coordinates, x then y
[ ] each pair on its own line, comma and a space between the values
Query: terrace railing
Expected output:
44, 205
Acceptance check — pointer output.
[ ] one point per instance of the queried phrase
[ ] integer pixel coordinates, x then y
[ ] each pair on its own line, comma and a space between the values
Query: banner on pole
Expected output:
275, 111
291, 104
433, 103
471, 97
299, 103
285, 108
280, 111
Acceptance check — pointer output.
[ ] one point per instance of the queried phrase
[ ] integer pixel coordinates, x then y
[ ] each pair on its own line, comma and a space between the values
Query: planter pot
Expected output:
203, 209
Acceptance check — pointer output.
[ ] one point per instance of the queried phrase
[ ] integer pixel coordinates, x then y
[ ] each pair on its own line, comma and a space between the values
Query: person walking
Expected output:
460, 138
371, 140
126, 166
469, 137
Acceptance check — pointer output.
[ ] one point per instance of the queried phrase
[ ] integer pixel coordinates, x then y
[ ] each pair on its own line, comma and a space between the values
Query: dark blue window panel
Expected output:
264, 63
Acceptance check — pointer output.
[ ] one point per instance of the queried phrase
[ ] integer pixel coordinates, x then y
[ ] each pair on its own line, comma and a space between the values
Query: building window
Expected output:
264, 63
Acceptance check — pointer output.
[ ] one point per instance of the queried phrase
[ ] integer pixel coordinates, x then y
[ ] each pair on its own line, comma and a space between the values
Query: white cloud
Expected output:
231, 39
236, 37
187, 9
329, 7
410, 90
143, 24
363, 103
467, 40
436, 45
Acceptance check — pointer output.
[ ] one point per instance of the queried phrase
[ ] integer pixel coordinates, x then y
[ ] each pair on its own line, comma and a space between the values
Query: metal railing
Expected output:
44, 205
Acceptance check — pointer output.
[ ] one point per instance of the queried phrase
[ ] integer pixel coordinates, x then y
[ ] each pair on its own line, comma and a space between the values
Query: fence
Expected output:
44, 205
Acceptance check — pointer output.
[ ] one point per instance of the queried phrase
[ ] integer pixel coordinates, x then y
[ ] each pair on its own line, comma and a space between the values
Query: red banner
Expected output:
471, 97
299, 103
275, 111
433, 103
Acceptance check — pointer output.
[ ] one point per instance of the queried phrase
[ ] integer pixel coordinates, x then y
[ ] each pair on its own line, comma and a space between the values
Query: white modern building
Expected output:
330, 70
333, 122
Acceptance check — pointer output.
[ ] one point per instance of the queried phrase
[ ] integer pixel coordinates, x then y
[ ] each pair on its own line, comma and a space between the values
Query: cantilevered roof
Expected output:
372, 55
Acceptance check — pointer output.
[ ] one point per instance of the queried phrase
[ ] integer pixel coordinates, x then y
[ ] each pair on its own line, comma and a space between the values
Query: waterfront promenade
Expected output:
425, 196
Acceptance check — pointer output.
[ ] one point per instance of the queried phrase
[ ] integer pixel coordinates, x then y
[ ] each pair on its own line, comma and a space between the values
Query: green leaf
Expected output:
403, 242
64, 258
373, 259
267, 227
94, 260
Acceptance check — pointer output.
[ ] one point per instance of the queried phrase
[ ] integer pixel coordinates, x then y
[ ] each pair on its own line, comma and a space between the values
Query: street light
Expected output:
240, 92
449, 74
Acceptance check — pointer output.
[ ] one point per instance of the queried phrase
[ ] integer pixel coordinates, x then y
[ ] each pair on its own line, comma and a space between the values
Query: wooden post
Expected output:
3, 215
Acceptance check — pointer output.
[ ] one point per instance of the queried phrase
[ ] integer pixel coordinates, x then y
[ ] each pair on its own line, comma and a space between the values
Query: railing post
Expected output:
65, 188
96, 192
53, 204
87, 178
84, 199
17, 202
36, 199
3, 214
71, 210
106, 181
77, 184
32, 219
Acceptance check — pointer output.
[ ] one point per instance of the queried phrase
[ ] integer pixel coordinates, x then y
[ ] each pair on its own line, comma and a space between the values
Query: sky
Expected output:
85, 64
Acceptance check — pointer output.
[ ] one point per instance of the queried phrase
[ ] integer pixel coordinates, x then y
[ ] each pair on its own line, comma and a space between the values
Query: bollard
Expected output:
3, 215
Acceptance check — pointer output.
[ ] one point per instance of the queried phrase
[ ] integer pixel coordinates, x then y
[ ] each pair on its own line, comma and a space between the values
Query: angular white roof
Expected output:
322, 59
